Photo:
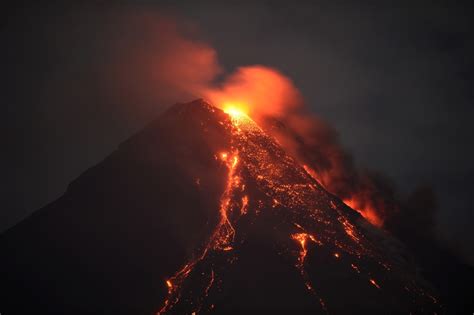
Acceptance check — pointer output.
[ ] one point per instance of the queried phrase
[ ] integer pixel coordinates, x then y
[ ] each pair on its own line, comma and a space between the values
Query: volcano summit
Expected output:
204, 212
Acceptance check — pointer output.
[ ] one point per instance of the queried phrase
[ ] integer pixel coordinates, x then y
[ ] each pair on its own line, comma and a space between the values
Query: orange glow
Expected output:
311, 173
245, 203
224, 234
211, 282
220, 240
235, 109
358, 202
336, 255
364, 209
374, 283
349, 228
256, 91
302, 239
235, 160
355, 268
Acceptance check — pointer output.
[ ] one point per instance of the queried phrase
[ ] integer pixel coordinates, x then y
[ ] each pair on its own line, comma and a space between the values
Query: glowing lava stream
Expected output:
225, 232
223, 235
302, 239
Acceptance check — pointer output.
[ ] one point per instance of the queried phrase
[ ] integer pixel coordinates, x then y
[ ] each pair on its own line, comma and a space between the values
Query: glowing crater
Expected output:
236, 110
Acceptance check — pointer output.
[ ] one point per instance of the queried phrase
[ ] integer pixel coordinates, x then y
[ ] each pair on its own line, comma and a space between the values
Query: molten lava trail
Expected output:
222, 237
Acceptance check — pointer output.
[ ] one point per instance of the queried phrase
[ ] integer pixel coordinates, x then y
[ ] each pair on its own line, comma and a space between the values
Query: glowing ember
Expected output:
225, 232
220, 240
245, 203
348, 228
355, 268
302, 238
374, 283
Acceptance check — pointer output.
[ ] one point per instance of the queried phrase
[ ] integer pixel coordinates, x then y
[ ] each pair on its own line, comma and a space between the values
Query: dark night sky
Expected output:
394, 80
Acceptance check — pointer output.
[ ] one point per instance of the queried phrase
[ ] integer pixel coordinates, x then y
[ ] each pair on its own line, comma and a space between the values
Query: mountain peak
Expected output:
204, 212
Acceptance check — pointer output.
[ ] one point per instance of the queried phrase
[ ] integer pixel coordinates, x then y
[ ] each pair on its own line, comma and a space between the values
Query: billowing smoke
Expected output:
258, 90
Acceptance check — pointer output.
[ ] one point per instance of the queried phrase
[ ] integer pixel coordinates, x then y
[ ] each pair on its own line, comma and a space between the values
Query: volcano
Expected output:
204, 212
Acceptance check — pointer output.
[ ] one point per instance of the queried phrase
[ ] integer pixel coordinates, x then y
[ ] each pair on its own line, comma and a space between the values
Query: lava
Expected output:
348, 228
220, 240
355, 268
224, 233
292, 192
302, 238
245, 203
235, 110
374, 283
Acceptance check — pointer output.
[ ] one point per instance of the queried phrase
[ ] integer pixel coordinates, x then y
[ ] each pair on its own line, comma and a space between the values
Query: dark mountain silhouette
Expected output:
204, 212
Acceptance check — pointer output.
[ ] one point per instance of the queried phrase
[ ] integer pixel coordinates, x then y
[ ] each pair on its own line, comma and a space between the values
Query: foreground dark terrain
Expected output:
204, 212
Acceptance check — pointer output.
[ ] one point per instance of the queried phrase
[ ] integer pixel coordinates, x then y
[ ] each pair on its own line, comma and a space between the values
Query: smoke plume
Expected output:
258, 90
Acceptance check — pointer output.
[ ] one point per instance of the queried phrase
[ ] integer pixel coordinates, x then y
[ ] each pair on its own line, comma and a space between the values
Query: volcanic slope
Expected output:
204, 212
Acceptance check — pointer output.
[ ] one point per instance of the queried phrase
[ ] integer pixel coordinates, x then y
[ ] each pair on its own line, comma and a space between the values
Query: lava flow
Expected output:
316, 231
221, 239
223, 235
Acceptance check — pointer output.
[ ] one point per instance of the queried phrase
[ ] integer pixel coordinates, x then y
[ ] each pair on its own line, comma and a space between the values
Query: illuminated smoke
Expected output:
257, 90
